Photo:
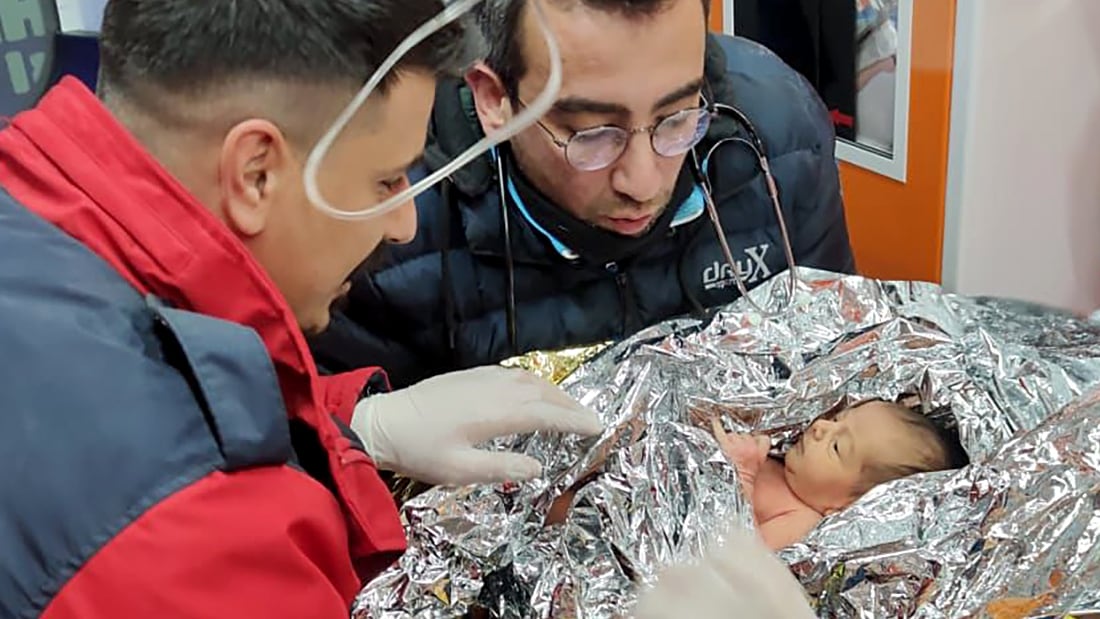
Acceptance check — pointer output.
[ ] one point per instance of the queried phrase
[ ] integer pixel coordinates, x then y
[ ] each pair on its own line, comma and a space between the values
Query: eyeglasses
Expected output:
593, 149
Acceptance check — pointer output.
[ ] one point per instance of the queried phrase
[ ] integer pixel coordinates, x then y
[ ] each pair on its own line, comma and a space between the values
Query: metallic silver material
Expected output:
1016, 534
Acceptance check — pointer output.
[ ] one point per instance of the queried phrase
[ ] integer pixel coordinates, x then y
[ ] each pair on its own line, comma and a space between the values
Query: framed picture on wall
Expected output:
856, 54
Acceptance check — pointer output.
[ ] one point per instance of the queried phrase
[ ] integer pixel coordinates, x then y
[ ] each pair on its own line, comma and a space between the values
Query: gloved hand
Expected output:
428, 431
741, 578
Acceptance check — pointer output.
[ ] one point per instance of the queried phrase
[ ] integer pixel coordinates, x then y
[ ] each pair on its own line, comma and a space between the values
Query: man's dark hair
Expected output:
151, 49
500, 24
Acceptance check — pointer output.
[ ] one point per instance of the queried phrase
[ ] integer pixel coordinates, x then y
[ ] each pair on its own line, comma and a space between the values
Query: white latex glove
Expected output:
428, 431
741, 578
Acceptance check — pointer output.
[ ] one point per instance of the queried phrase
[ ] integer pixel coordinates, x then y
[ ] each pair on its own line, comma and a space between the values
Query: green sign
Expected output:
27, 29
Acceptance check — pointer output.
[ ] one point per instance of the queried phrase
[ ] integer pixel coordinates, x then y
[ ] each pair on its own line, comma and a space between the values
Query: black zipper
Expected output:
626, 298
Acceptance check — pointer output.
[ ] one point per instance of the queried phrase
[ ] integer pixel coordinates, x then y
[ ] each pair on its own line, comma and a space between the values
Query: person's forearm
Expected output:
883, 65
747, 476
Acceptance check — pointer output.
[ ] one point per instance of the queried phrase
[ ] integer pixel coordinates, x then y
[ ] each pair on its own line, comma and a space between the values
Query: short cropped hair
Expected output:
194, 47
500, 24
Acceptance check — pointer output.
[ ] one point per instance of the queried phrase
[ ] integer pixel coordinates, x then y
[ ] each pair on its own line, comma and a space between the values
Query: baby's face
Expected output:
825, 468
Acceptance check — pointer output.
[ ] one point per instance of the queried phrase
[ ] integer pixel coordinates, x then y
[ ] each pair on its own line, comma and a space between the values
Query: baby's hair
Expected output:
940, 450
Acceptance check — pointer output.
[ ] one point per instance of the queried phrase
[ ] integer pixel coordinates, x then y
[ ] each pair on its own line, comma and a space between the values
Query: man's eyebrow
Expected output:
581, 105
683, 92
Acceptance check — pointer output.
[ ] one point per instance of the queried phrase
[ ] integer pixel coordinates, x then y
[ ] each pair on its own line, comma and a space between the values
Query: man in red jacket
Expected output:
169, 448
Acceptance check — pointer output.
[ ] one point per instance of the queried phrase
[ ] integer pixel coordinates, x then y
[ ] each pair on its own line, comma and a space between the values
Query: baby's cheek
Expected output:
857, 489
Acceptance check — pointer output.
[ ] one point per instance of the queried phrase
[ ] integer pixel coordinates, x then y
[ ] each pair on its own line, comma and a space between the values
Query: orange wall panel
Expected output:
715, 15
897, 229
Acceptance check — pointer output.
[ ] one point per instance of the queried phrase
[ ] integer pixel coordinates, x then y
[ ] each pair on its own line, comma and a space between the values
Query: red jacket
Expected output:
267, 542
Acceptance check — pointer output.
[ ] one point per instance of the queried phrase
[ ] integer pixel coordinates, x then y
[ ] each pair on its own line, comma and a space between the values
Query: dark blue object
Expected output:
443, 302
817, 38
111, 404
76, 54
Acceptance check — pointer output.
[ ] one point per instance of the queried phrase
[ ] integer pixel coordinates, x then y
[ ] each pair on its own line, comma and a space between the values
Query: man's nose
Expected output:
636, 173
401, 222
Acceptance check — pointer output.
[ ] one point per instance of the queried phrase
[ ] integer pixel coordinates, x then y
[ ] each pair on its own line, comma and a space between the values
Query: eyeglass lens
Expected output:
593, 149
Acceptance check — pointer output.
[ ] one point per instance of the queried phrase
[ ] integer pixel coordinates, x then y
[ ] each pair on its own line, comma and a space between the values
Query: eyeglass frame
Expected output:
707, 111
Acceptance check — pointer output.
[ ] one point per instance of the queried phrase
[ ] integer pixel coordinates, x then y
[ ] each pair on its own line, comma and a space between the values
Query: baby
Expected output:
838, 458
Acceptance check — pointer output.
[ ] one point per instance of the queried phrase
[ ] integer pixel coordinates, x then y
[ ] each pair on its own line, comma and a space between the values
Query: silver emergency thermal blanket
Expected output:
1015, 534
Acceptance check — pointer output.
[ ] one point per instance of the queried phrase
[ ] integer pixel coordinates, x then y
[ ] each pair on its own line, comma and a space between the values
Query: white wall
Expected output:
1023, 202
79, 15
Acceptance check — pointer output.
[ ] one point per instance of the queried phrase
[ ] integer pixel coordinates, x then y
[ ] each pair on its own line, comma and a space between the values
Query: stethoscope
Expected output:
754, 144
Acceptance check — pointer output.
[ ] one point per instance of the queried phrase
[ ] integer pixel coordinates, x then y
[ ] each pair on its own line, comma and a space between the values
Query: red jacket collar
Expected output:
139, 218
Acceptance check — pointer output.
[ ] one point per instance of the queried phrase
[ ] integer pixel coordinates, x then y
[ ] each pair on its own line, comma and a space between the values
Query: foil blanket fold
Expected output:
1014, 535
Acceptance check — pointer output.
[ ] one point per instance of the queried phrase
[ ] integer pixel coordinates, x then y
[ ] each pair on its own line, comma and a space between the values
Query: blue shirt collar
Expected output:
689, 210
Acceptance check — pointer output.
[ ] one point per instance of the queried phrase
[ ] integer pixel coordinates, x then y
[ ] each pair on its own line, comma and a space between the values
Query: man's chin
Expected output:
340, 302
316, 327
323, 319
316, 322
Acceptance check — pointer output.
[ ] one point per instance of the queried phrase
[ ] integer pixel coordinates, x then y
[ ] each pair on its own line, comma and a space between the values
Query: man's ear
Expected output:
494, 108
253, 167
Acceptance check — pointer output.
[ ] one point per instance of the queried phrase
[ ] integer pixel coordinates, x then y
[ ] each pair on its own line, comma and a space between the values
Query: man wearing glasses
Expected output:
592, 224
